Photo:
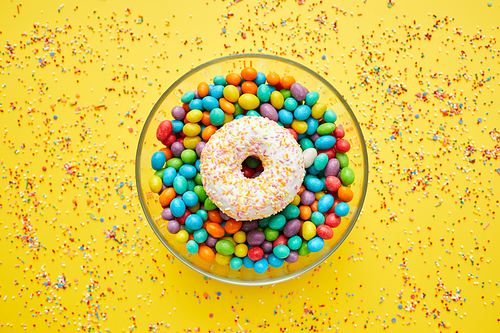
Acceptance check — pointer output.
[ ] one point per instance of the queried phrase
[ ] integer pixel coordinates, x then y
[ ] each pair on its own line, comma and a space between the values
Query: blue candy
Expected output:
301, 136
220, 80
325, 203
196, 104
217, 116
261, 266
210, 103
260, 79
177, 207
187, 97
253, 113
180, 184
197, 164
277, 222
192, 247
294, 243
329, 116
317, 218
290, 104
217, 91
194, 222
312, 170
202, 213
314, 185
302, 112
188, 171
311, 98
168, 176
306, 143
177, 126
236, 263
325, 142
158, 160
312, 125
190, 198
275, 261
264, 93
342, 209
315, 244
248, 263
200, 235
190, 185
239, 116
320, 162
285, 117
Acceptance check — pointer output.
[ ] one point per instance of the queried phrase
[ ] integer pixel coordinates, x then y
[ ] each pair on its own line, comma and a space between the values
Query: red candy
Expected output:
332, 183
247, 171
293, 133
332, 220
324, 231
255, 253
169, 140
338, 132
343, 146
164, 130
183, 218
281, 240
329, 152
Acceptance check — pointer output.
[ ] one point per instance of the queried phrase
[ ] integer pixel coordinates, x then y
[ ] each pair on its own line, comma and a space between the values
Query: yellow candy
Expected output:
319, 195
296, 200
308, 230
195, 208
318, 110
240, 250
277, 100
231, 93
190, 142
228, 117
299, 126
248, 101
182, 236
155, 183
191, 129
222, 259
229, 238
194, 116
240, 237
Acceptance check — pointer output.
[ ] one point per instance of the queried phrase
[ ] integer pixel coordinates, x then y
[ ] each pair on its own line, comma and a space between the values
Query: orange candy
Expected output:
273, 78
233, 78
208, 132
205, 119
314, 206
248, 87
226, 106
305, 212
206, 253
185, 106
287, 81
215, 230
203, 89
167, 152
167, 196
232, 226
345, 194
249, 73
214, 216
301, 189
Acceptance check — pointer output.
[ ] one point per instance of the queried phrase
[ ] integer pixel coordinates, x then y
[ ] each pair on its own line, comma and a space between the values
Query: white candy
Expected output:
309, 156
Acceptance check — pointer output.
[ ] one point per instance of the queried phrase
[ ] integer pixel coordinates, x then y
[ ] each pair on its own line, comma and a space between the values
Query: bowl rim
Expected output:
160, 236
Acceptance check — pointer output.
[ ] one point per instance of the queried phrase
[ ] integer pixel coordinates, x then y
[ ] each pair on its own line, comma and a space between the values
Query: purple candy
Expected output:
196, 95
178, 113
163, 188
211, 241
266, 255
268, 111
173, 226
292, 257
257, 174
224, 216
298, 92
267, 246
256, 237
307, 197
249, 226
332, 168
292, 228
199, 147
314, 137
177, 148
338, 175
166, 214
239, 90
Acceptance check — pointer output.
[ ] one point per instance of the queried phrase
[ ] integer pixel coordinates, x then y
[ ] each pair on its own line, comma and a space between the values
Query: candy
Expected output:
311, 213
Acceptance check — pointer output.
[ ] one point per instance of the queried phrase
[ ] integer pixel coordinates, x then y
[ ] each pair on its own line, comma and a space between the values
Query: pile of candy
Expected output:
304, 225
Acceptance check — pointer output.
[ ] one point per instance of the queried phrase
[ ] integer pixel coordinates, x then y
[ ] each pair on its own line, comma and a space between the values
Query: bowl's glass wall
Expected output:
148, 144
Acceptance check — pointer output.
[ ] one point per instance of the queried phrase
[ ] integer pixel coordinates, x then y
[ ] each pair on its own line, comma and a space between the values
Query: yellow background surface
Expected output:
77, 81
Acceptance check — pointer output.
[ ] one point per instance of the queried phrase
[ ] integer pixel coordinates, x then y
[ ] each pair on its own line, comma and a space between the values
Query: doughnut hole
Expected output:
252, 167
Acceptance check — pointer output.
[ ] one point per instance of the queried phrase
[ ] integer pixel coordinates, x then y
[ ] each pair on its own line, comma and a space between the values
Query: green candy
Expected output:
306, 143
180, 184
252, 162
343, 159
291, 212
264, 222
303, 251
197, 179
209, 205
175, 163
277, 222
295, 242
325, 128
253, 113
347, 176
329, 116
203, 214
271, 234
238, 110
286, 93
317, 218
200, 192
191, 184
159, 173
321, 161
281, 251
290, 104
224, 247
189, 156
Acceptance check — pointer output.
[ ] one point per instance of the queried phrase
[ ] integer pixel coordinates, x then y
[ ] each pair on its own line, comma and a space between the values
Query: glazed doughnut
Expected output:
247, 199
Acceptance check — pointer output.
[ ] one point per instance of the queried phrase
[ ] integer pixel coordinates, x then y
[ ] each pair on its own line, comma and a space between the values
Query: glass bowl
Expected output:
148, 144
